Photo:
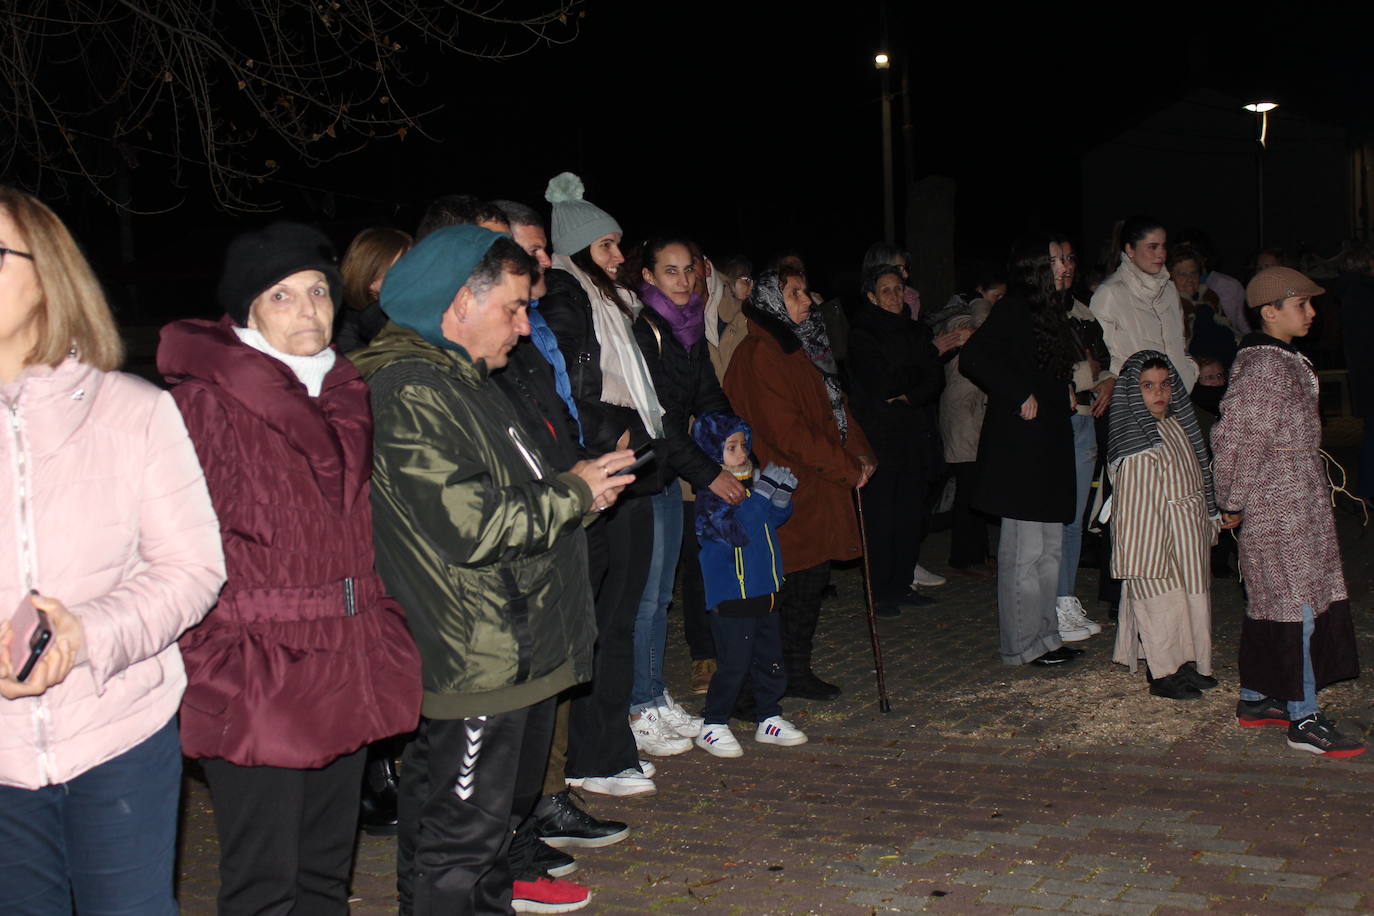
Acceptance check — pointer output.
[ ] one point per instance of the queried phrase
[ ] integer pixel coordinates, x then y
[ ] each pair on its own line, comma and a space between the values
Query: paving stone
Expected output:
1164, 898
1135, 879
1108, 907
899, 902
1035, 899
1243, 861
1306, 897
988, 879
1010, 839
871, 882
1279, 879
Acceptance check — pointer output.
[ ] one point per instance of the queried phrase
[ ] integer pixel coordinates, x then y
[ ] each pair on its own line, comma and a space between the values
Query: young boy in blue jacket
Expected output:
741, 564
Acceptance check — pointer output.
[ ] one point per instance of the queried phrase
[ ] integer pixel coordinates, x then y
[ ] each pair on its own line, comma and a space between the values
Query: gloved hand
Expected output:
777, 483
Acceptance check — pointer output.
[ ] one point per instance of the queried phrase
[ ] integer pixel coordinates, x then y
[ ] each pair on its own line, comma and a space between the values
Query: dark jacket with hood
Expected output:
1025, 467
476, 532
686, 384
774, 386
305, 657
891, 356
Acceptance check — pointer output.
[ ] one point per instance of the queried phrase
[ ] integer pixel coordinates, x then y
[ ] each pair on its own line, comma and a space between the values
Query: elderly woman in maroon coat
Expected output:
305, 659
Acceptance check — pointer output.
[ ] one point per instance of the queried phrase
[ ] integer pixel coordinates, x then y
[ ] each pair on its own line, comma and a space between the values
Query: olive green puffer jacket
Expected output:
477, 537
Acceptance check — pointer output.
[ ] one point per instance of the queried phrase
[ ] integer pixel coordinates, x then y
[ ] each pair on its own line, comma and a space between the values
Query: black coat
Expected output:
687, 387
527, 380
568, 312
1025, 467
891, 356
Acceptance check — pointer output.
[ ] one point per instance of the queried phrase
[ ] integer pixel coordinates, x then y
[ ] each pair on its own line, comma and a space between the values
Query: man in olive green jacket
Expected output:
482, 543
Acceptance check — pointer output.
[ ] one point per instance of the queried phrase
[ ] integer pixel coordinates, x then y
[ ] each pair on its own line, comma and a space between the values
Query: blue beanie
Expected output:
420, 286
576, 222
712, 429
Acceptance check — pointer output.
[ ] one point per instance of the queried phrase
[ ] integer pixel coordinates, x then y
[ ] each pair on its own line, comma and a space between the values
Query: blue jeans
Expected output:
1298, 709
651, 620
106, 839
1084, 463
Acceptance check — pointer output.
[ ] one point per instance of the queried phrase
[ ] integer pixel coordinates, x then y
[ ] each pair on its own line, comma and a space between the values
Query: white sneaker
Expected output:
923, 576
648, 769
1071, 609
777, 730
655, 736
1069, 628
719, 741
681, 721
623, 784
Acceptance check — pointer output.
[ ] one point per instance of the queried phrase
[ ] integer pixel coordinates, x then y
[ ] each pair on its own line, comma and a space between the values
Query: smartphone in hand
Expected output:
643, 455
31, 633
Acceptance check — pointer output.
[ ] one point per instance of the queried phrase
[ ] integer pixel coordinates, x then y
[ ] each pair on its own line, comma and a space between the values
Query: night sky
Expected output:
755, 126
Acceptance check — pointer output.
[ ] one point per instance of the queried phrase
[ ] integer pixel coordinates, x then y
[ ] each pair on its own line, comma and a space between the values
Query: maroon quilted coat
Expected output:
305, 657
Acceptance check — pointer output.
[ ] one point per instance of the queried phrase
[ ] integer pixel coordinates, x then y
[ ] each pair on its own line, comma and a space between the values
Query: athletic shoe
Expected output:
1057, 657
922, 576
807, 686
552, 862
886, 609
678, 719
702, 669
655, 736
1317, 734
561, 824
1174, 687
1069, 629
914, 598
718, 741
623, 784
648, 769
1071, 609
1263, 711
545, 895
777, 730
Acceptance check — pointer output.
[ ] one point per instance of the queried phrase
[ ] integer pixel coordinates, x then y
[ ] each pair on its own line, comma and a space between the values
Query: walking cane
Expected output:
883, 704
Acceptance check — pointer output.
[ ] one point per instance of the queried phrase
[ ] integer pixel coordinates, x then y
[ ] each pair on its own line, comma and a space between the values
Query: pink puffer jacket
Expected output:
103, 506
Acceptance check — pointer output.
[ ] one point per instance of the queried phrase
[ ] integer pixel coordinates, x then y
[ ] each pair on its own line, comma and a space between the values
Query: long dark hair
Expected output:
1131, 230
1030, 277
600, 279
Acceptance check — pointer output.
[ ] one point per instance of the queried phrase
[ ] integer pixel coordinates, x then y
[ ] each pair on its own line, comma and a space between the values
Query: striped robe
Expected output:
1161, 537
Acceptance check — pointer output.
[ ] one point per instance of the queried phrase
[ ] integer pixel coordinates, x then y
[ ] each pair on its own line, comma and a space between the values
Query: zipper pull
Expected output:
350, 602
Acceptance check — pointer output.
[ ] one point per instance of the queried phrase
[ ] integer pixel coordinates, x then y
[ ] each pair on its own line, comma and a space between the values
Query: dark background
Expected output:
755, 126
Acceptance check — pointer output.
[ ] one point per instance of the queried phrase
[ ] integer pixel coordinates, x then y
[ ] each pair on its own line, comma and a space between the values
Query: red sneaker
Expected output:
547, 895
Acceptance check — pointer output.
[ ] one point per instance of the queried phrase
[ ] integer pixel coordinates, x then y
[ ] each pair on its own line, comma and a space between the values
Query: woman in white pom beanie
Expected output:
590, 313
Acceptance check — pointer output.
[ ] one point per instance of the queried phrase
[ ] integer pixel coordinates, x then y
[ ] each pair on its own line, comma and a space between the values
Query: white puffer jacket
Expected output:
1140, 311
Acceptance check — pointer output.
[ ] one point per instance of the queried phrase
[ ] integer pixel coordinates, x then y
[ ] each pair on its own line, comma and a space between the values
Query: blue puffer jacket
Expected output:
751, 570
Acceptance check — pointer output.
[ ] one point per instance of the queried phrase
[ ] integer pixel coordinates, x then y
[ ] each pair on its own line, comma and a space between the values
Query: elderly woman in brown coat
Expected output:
782, 379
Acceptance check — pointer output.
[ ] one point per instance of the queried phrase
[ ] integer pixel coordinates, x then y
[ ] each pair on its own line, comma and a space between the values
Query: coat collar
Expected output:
780, 332
59, 399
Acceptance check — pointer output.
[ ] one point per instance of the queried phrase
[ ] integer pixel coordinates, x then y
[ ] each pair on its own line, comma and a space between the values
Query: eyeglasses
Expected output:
5, 251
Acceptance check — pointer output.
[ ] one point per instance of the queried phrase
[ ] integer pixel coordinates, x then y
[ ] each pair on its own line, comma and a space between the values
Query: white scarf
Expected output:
715, 288
311, 370
625, 379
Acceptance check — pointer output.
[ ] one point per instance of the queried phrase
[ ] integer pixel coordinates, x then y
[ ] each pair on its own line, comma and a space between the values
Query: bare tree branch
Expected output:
89, 87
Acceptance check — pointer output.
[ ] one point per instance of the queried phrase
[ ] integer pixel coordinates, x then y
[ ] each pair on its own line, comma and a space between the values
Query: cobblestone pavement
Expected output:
987, 789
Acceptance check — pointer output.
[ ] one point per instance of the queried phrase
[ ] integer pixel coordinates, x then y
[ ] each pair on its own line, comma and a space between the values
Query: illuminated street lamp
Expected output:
882, 62
1261, 111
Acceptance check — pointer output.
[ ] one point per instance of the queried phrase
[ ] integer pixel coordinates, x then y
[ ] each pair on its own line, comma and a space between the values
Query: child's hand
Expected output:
777, 483
1230, 520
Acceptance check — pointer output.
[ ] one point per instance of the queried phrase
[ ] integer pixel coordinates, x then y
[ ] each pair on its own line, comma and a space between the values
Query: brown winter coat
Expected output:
773, 385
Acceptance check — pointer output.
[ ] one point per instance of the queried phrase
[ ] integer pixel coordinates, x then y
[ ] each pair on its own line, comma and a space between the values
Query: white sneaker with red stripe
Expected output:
718, 741
777, 730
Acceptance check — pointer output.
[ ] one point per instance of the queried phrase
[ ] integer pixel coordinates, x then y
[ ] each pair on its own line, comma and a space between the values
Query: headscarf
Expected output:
1132, 429
687, 321
815, 343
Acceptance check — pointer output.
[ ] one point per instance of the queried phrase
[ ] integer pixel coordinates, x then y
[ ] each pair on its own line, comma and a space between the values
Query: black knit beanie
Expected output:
256, 260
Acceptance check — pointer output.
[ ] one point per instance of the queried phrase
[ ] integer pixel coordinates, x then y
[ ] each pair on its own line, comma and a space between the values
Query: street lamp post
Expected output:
1261, 111
882, 63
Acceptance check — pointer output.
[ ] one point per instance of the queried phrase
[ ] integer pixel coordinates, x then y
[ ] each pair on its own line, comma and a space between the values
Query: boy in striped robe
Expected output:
1164, 523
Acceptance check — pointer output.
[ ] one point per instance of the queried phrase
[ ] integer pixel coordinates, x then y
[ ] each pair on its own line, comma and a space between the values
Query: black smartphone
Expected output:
643, 455
31, 634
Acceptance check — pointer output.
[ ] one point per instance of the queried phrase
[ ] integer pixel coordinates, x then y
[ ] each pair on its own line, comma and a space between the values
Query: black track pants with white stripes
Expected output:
465, 785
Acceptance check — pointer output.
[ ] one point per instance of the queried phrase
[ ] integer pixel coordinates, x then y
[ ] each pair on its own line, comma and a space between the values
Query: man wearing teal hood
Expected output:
482, 543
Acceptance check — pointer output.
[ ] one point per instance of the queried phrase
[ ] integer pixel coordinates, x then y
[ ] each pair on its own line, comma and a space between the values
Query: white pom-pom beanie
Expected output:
576, 222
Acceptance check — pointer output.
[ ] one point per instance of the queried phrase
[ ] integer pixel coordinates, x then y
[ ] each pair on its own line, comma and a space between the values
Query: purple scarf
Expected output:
687, 321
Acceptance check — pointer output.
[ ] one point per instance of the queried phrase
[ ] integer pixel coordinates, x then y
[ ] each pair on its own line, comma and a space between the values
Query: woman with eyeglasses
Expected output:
109, 534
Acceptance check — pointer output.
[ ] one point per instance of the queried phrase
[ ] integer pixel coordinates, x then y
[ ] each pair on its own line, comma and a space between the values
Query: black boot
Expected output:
378, 813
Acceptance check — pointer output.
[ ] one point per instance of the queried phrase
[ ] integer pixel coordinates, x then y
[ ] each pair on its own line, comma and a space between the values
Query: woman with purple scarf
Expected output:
670, 330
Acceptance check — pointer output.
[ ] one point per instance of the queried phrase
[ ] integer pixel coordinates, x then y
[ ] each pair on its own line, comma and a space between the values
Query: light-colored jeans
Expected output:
1028, 556
651, 620
1084, 463
1298, 709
